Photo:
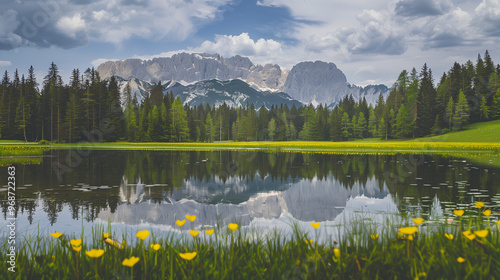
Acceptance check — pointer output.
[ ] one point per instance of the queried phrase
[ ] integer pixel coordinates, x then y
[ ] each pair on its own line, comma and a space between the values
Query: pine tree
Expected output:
115, 114
23, 111
372, 124
73, 121
354, 127
450, 112
361, 126
495, 108
461, 116
210, 128
345, 123
484, 109
383, 129
425, 103
403, 123
179, 127
271, 127
392, 123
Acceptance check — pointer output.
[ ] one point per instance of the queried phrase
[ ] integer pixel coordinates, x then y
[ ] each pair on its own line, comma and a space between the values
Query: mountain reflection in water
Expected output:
158, 187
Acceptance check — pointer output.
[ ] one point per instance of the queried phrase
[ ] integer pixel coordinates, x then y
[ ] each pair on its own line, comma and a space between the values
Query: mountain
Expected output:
235, 93
189, 68
322, 82
192, 75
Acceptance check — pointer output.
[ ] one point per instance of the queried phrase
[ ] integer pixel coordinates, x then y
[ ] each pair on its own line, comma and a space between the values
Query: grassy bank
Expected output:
481, 139
466, 248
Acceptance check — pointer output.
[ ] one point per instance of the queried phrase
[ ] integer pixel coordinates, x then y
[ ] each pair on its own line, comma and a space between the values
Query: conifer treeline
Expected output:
88, 109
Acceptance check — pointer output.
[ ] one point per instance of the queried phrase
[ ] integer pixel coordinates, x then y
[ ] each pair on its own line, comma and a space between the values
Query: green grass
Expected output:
20, 150
478, 132
238, 255
480, 138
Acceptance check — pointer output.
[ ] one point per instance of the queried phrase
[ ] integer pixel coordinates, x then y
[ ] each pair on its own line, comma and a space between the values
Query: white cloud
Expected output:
154, 19
488, 17
5, 63
260, 51
448, 30
8, 24
377, 34
72, 23
71, 26
417, 8
228, 45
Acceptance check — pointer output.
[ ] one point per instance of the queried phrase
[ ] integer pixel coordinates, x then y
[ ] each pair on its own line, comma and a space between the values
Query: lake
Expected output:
69, 190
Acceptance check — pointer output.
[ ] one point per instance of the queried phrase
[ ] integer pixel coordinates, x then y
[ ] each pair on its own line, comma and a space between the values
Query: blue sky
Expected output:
370, 41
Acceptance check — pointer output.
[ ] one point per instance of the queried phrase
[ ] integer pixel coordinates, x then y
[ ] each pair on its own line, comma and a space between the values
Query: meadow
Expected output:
463, 246
480, 139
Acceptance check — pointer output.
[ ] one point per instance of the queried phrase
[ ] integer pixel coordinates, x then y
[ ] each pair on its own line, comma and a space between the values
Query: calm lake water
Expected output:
72, 190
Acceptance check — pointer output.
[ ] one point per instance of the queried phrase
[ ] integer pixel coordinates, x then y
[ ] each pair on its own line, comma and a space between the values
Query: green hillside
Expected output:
478, 132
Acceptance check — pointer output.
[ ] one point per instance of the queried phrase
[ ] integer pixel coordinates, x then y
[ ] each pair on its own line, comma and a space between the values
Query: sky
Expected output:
371, 41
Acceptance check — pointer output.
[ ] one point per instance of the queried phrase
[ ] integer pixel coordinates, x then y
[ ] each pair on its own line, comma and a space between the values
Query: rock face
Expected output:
308, 82
235, 93
189, 68
322, 82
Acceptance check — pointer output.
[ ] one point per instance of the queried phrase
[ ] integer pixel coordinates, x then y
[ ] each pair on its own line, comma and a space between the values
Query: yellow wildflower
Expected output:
142, 234
469, 235
460, 260
408, 230
191, 218
233, 226
130, 262
155, 247
418, 221
188, 256
374, 236
487, 213
449, 236
180, 223
209, 232
56, 234
95, 253
315, 225
479, 204
76, 242
336, 252
481, 233
194, 233
459, 212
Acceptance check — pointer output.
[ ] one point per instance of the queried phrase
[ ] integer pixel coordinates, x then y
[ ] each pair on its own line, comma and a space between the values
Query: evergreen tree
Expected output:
210, 128
335, 123
23, 111
271, 127
461, 116
156, 94
484, 109
115, 114
495, 108
346, 125
392, 123
179, 128
354, 127
425, 103
372, 124
361, 125
403, 123
384, 133
450, 112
